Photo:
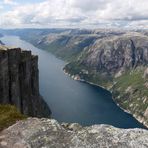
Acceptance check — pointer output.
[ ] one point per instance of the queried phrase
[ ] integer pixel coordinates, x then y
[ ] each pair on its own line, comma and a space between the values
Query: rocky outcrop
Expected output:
19, 82
116, 54
37, 133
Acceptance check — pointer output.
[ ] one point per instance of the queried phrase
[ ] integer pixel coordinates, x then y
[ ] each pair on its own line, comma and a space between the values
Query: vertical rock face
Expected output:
19, 82
14, 83
114, 54
25, 77
4, 77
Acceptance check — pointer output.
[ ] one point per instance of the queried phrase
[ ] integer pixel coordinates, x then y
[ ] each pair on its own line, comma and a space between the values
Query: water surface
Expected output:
73, 101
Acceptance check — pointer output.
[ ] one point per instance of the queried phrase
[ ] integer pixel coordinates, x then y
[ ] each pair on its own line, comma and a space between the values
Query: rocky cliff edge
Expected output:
19, 82
48, 133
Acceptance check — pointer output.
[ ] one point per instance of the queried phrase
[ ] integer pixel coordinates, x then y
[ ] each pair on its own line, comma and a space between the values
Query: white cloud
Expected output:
10, 2
77, 13
89, 5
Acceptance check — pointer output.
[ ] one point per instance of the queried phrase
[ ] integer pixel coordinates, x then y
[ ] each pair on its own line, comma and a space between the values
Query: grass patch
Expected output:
9, 115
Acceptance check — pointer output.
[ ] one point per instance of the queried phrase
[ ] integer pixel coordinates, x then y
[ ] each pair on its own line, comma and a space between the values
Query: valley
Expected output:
75, 101
116, 60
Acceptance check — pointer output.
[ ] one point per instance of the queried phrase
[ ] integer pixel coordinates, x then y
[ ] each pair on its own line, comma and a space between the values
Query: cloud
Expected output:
89, 5
10, 2
77, 13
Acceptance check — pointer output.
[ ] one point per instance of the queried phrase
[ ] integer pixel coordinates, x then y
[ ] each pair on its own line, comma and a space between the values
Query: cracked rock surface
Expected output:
48, 133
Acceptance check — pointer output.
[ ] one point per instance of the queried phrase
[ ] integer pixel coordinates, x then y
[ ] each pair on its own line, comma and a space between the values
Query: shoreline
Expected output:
93, 84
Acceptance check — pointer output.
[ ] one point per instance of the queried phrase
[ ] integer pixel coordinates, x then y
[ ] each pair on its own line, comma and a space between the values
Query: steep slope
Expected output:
37, 133
66, 46
119, 64
19, 82
69, 43
64, 43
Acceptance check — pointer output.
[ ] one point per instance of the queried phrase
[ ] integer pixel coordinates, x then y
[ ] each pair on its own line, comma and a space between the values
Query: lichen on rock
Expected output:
37, 133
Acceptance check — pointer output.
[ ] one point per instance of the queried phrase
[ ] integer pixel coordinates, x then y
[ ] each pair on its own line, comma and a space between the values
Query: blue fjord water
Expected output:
73, 101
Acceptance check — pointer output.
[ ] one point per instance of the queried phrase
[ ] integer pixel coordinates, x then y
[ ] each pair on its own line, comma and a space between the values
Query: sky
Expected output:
74, 14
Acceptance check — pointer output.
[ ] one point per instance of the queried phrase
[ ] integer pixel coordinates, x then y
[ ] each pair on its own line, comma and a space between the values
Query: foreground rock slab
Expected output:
48, 133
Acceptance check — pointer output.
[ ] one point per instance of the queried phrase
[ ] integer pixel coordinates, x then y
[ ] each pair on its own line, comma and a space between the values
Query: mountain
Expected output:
64, 43
19, 82
69, 43
120, 64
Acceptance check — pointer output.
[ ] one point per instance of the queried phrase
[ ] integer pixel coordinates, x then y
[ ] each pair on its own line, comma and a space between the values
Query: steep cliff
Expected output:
19, 82
70, 43
118, 63
111, 55
37, 133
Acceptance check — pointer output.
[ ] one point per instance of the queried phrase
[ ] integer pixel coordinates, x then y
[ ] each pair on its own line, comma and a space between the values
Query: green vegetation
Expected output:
129, 90
88, 74
131, 93
9, 115
134, 79
66, 47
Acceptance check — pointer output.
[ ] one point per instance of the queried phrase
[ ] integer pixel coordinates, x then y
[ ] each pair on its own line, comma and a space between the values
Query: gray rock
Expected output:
4, 77
48, 133
19, 82
146, 74
116, 53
